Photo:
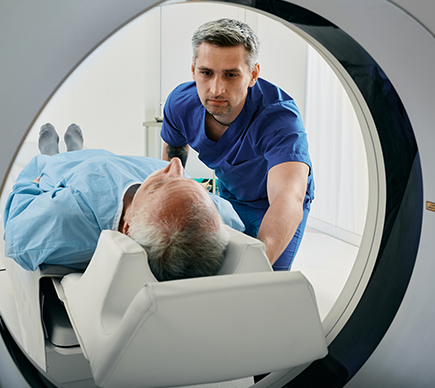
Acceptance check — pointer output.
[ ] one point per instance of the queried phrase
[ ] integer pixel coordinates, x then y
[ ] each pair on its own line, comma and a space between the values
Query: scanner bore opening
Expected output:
401, 228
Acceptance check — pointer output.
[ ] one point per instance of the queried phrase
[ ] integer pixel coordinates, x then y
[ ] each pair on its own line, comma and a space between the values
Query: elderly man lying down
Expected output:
62, 201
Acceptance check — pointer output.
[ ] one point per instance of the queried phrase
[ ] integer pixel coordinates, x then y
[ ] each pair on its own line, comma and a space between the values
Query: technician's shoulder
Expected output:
183, 95
272, 103
269, 93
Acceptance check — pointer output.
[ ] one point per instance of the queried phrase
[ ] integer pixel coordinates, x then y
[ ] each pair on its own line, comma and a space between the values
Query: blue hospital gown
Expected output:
79, 194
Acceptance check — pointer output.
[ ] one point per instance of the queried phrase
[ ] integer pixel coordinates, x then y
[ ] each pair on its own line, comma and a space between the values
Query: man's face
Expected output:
165, 192
222, 77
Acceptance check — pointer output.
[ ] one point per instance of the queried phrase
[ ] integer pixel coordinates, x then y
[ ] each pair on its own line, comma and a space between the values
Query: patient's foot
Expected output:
48, 141
73, 138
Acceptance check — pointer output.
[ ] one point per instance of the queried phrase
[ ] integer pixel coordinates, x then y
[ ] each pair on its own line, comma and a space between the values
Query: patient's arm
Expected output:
36, 180
54, 227
170, 152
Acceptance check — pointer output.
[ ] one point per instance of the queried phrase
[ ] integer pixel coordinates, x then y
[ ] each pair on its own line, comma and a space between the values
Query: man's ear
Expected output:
193, 69
125, 228
254, 75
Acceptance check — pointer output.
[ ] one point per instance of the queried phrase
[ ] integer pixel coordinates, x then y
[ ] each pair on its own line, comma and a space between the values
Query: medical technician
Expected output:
249, 131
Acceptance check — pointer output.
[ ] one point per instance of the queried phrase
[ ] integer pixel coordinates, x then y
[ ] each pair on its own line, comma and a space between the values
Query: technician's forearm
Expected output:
170, 152
279, 226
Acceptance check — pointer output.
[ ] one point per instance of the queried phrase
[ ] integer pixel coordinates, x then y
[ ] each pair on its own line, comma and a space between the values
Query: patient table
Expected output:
138, 332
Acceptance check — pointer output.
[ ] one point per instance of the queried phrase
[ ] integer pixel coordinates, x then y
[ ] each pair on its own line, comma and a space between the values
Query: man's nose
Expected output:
175, 168
217, 86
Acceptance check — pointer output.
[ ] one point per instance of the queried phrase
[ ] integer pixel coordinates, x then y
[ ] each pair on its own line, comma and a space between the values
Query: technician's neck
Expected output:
216, 126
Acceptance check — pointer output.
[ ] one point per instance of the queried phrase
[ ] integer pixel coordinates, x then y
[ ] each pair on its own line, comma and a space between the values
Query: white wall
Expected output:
338, 155
105, 95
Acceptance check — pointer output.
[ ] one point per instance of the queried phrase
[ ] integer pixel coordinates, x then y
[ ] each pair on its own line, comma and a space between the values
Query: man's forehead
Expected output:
207, 51
176, 191
162, 180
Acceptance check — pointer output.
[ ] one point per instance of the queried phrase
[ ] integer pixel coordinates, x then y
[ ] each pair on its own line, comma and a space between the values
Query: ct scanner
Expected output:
381, 334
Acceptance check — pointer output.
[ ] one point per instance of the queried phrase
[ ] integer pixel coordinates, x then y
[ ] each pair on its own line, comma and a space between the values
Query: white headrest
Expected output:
137, 332
244, 255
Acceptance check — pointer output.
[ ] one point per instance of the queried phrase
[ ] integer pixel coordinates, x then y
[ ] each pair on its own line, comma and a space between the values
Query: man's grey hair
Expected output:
192, 247
227, 33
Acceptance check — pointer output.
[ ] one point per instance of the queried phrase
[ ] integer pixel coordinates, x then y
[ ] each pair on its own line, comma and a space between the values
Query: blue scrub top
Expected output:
267, 132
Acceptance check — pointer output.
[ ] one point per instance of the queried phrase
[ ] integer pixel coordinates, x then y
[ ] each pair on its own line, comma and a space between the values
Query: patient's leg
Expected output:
73, 138
48, 141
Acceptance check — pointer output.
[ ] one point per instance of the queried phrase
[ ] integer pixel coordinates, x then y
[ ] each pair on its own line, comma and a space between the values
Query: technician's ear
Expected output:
254, 75
193, 69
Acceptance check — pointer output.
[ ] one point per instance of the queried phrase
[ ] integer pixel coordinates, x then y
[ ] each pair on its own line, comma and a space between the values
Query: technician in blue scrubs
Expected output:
249, 131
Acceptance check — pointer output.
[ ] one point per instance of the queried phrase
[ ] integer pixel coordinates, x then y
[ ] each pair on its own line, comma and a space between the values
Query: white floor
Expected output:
324, 260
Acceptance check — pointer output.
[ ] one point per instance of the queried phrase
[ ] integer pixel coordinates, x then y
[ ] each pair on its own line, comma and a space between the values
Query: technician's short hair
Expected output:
227, 33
